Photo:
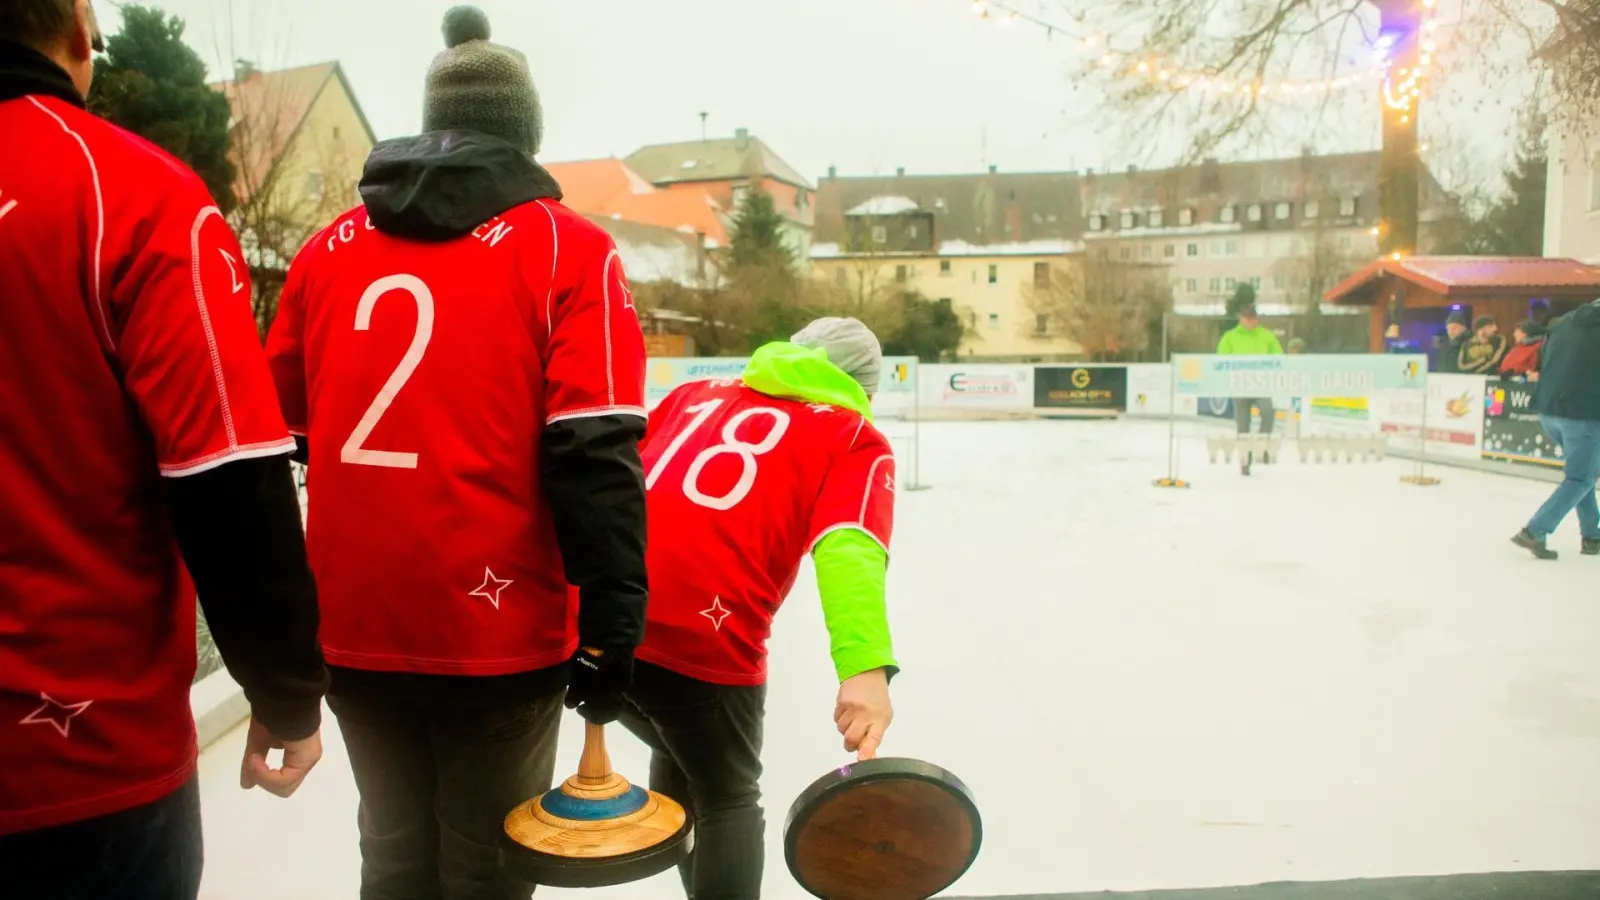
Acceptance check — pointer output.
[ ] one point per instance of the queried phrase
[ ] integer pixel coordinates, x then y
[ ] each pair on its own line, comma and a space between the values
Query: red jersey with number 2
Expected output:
742, 485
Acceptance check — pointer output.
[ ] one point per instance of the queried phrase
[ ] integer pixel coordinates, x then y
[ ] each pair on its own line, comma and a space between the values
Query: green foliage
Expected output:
1243, 295
930, 330
757, 238
1513, 224
151, 83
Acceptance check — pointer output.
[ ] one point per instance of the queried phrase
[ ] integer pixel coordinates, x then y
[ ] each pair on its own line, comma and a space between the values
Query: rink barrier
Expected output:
1328, 448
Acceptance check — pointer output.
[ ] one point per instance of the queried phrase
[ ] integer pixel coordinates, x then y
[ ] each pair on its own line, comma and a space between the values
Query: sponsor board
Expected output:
1511, 429
1299, 375
979, 386
1097, 388
664, 374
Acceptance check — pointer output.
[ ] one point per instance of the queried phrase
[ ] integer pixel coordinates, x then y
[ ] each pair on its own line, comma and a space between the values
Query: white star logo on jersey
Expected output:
888, 482
716, 612
233, 270
491, 587
820, 407
56, 714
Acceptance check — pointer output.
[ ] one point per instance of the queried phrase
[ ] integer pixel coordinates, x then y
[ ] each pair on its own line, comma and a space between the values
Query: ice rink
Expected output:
1313, 673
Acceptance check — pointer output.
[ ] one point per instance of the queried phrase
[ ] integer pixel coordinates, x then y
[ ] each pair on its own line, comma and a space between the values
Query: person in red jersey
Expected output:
463, 358
745, 478
142, 456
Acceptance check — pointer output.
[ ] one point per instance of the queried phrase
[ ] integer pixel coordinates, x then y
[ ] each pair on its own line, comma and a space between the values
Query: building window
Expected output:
1255, 248
900, 274
1097, 222
944, 267
1146, 251
1277, 282
1192, 285
1225, 216
1230, 248
1193, 250
1216, 248
994, 321
1041, 324
1344, 242
741, 192
1170, 251
880, 234
1281, 211
912, 232
1128, 219
1185, 216
1041, 275
1347, 207
1255, 282
994, 274
1157, 218
1216, 285
1280, 245
1312, 209
1254, 213
1231, 283
1126, 254
802, 200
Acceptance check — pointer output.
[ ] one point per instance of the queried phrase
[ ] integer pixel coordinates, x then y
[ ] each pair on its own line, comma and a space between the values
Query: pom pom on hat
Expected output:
463, 24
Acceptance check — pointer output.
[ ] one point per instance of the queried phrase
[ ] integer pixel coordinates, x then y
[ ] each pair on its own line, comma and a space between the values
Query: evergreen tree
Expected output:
757, 238
151, 83
930, 330
1515, 224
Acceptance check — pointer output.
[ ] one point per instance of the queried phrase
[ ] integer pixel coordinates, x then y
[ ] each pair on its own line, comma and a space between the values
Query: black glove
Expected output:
597, 683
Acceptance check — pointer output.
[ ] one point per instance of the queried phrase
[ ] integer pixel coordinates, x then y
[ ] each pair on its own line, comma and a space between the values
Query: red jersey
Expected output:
741, 486
129, 352
422, 375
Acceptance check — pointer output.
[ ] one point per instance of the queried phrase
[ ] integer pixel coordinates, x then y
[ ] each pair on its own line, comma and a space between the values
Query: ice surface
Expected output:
1313, 673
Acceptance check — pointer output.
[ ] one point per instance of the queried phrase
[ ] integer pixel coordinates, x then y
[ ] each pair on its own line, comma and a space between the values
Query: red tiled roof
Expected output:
608, 187
1455, 275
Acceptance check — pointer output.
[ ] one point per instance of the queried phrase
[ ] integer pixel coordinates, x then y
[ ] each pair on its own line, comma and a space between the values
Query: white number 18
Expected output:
746, 451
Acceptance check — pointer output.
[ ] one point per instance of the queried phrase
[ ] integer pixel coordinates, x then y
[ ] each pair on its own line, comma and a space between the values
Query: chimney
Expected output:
833, 171
900, 172
244, 71
741, 138
993, 169
1210, 176
1133, 170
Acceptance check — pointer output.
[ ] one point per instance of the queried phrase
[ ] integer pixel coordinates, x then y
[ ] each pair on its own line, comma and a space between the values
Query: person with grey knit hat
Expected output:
449, 631
747, 477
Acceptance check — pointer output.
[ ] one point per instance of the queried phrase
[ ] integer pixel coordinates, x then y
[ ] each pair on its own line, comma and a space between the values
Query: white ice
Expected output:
1314, 673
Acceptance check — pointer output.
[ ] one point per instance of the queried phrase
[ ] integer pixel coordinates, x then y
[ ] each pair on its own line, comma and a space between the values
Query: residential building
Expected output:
728, 170
610, 188
1291, 228
666, 261
300, 140
981, 242
1572, 198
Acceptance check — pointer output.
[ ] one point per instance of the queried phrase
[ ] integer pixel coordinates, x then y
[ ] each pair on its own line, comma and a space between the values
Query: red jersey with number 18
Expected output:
742, 485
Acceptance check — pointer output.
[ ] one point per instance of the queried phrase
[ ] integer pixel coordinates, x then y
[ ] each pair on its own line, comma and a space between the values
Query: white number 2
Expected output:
746, 451
352, 451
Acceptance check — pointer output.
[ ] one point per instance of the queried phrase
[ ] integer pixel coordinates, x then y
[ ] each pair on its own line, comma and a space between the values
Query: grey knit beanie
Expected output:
850, 345
478, 86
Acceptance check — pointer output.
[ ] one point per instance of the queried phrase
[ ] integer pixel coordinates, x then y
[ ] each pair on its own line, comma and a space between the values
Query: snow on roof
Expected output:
647, 262
1045, 247
885, 206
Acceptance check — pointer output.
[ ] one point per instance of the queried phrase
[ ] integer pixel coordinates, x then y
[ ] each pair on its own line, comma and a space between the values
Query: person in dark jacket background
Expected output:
462, 356
1522, 360
1568, 403
1481, 354
1455, 334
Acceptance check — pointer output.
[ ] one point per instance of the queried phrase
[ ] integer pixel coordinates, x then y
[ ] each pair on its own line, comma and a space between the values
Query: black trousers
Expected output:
150, 852
438, 762
1241, 413
705, 742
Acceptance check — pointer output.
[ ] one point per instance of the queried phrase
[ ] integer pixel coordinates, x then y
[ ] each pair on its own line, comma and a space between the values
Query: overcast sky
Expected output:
866, 85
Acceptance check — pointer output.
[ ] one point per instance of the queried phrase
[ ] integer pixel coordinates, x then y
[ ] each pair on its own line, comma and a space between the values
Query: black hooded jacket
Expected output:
1569, 374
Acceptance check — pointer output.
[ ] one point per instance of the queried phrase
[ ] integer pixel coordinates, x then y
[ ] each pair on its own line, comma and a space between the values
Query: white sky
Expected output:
867, 85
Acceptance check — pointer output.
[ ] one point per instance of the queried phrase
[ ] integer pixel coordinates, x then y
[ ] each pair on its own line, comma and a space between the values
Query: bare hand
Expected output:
863, 713
299, 758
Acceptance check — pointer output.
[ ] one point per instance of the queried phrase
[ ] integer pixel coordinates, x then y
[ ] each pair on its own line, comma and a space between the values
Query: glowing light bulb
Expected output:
1144, 67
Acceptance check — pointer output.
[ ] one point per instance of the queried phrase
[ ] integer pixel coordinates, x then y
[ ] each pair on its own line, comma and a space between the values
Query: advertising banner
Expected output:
1299, 375
666, 373
1454, 407
897, 387
1511, 429
979, 386
1150, 390
1087, 388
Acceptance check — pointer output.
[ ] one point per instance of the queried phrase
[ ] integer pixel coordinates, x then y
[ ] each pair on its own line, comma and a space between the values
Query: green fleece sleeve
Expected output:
1225, 344
1274, 346
851, 573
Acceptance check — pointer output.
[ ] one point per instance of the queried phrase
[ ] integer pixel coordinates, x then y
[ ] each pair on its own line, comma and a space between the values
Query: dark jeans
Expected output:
1579, 441
705, 742
1241, 413
438, 768
150, 852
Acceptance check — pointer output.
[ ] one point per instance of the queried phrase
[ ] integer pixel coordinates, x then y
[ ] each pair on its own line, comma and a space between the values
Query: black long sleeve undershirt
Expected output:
238, 527
594, 483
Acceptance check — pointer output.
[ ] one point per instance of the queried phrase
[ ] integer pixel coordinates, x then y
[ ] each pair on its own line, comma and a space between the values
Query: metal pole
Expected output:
916, 425
1172, 425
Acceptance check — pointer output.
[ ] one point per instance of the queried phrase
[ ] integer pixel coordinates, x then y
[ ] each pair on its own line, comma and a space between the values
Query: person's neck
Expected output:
25, 71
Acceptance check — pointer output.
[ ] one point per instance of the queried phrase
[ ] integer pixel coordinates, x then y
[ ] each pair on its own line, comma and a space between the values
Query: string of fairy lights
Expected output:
1401, 86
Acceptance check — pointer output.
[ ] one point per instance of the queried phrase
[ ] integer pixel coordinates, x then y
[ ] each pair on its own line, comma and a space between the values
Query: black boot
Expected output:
1591, 546
1534, 545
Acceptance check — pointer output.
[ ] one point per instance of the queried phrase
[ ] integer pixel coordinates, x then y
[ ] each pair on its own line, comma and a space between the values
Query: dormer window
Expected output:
1128, 219
1226, 215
